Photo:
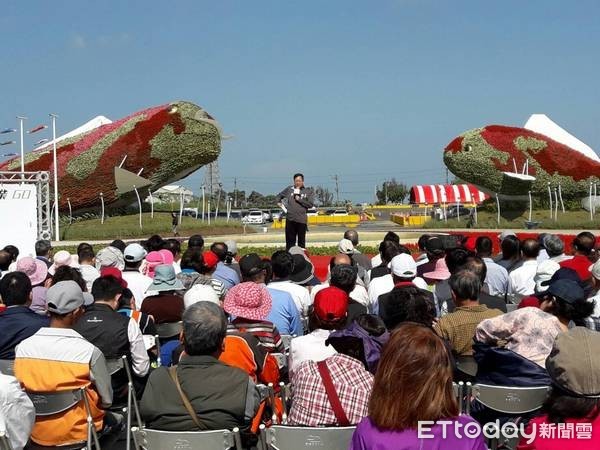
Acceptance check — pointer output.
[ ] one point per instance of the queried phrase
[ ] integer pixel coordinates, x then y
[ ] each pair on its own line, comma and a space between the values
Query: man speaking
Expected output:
295, 200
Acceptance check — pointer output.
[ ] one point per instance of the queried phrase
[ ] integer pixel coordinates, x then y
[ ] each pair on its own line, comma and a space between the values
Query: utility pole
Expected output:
337, 190
235, 192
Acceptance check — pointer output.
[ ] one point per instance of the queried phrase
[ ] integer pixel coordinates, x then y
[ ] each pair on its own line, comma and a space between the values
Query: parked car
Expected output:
340, 212
267, 216
277, 214
190, 212
453, 213
254, 217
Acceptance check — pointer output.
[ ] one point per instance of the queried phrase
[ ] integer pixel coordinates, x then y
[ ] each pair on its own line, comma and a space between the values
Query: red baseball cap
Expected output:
113, 272
210, 259
331, 304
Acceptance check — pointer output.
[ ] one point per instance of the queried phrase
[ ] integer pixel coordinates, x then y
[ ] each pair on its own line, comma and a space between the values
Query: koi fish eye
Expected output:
173, 110
468, 148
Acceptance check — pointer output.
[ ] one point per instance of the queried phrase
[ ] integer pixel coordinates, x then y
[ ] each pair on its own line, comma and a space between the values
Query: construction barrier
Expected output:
409, 221
323, 220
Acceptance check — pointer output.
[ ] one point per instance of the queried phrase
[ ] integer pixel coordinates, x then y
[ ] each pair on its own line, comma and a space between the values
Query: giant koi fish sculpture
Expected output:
511, 161
148, 149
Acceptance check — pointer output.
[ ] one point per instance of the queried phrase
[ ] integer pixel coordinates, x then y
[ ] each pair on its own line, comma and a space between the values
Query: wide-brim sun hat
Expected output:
36, 270
303, 270
165, 279
62, 258
440, 272
248, 300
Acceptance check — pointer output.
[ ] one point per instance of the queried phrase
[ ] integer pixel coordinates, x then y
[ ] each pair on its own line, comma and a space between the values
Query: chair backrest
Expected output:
7, 366
48, 403
114, 365
185, 440
281, 437
281, 359
286, 339
168, 329
466, 364
4, 441
510, 400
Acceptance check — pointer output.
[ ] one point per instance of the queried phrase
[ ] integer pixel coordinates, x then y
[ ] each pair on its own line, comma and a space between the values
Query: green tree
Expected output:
391, 192
255, 199
324, 196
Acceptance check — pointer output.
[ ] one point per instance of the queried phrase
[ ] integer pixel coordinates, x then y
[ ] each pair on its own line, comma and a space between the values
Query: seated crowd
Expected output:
377, 344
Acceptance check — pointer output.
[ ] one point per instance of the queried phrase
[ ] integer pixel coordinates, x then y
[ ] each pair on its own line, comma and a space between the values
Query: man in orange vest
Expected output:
57, 358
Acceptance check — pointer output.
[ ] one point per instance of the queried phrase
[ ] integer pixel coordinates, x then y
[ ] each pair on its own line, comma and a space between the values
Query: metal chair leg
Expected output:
157, 342
237, 439
91, 428
283, 395
468, 398
262, 437
274, 417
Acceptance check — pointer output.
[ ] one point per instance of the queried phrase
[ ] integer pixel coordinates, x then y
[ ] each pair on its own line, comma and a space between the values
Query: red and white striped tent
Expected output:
446, 193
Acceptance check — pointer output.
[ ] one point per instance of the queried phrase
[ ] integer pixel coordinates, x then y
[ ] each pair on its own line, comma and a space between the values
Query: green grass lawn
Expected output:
122, 227
489, 219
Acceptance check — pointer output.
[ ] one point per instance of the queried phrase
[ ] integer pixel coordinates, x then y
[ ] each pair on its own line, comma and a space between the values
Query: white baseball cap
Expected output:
404, 266
134, 253
346, 247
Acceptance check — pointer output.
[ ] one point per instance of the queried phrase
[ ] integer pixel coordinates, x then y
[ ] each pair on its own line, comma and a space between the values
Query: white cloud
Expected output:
78, 41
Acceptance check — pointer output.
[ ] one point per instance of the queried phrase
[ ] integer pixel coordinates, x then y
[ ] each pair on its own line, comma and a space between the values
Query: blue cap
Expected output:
567, 290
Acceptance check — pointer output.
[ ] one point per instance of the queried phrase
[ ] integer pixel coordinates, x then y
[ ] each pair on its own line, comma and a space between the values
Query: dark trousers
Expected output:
293, 230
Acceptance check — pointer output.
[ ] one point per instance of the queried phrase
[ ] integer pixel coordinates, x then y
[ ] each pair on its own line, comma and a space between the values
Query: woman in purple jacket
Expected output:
412, 405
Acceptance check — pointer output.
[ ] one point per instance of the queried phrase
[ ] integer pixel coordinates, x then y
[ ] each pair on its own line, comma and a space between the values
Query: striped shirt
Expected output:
310, 404
189, 278
264, 331
458, 327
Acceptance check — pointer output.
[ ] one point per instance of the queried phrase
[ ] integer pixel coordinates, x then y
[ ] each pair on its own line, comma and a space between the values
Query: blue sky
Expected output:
364, 90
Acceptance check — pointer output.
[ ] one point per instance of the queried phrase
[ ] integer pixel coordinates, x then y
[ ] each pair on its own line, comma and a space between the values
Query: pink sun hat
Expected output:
62, 258
248, 300
36, 270
167, 256
157, 258
440, 272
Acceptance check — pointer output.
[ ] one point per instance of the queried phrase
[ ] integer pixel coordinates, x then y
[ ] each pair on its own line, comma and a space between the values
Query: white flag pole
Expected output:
56, 224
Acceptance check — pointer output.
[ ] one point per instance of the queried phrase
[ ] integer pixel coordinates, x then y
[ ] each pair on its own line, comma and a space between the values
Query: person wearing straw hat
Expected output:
574, 400
166, 305
249, 304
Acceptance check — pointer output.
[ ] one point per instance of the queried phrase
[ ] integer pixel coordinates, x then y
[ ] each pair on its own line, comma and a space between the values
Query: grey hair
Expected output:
554, 245
466, 285
204, 328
